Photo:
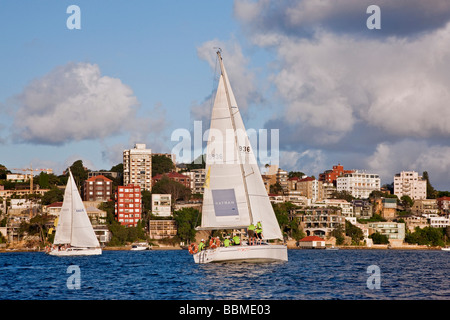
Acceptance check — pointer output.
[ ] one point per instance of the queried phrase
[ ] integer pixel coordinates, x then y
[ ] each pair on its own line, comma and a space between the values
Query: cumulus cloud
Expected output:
412, 155
242, 79
303, 18
74, 102
346, 90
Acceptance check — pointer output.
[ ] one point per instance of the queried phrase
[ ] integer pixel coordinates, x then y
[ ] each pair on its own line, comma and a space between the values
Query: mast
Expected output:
71, 205
222, 70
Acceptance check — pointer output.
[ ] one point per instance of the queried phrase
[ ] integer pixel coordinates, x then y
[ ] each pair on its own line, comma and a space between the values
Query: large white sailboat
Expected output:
74, 233
234, 194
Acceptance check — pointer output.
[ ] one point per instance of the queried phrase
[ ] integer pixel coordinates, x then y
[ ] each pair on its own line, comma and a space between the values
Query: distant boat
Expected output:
140, 246
234, 195
332, 248
446, 249
74, 233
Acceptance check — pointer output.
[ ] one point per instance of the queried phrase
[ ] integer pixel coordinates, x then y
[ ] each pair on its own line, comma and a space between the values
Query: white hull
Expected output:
76, 252
243, 253
139, 248
446, 249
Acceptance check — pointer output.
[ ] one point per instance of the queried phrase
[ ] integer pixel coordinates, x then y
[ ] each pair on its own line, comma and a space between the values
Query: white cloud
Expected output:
242, 79
409, 155
74, 102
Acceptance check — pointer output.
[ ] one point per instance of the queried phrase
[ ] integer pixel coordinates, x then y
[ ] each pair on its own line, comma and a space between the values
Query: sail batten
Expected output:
235, 195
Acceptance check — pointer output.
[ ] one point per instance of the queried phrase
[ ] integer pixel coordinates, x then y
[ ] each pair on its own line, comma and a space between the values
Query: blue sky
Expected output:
374, 100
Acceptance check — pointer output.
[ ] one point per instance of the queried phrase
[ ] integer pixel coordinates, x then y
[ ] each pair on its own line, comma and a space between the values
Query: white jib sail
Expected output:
74, 226
235, 196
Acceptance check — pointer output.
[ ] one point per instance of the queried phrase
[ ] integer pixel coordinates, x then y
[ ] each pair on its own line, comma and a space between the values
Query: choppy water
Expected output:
172, 275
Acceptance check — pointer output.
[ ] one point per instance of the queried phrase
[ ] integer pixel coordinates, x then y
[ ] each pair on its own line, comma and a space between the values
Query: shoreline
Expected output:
171, 248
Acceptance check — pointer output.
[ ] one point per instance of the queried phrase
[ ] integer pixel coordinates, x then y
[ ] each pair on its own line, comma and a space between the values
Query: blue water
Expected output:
172, 275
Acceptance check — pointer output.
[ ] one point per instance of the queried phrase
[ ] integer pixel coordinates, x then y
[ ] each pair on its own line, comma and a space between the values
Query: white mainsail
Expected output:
74, 226
235, 195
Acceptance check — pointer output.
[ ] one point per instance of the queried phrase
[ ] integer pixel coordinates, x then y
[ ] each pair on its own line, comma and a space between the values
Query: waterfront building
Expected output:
392, 230
443, 204
414, 221
436, 221
128, 207
409, 183
425, 206
362, 208
360, 184
386, 207
137, 167
161, 229
318, 221
161, 205
282, 179
97, 188
306, 186
312, 242
330, 176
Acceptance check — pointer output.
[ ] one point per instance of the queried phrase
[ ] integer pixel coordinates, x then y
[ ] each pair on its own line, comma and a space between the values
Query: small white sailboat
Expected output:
74, 233
234, 195
445, 248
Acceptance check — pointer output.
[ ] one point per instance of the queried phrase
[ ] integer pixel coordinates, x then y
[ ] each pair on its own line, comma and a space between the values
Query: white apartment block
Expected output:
409, 183
162, 205
137, 167
360, 184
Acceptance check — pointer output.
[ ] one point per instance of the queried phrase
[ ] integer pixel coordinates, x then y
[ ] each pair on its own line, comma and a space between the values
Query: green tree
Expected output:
431, 192
161, 164
297, 174
43, 180
168, 186
187, 219
379, 238
53, 195
289, 227
407, 202
354, 232
426, 236
79, 173
338, 233
345, 195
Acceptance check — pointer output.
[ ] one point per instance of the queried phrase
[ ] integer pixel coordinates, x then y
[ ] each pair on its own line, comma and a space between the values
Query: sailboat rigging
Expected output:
235, 196
74, 232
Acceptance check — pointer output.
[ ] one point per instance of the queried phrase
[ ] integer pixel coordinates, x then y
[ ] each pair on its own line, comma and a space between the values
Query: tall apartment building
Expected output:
197, 180
359, 184
409, 183
137, 167
128, 206
97, 188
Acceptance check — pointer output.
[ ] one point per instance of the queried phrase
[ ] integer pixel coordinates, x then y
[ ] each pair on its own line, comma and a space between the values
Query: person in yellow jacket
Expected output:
236, 240
201, 245
226, 242
259, 232
251, 234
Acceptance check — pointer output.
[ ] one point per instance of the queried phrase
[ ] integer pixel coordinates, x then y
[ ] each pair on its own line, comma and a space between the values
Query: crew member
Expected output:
201, 245
251, 233
227, 242
236, 240
259, 232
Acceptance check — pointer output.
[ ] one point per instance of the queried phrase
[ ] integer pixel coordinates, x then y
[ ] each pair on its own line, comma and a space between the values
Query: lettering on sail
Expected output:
224, 202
